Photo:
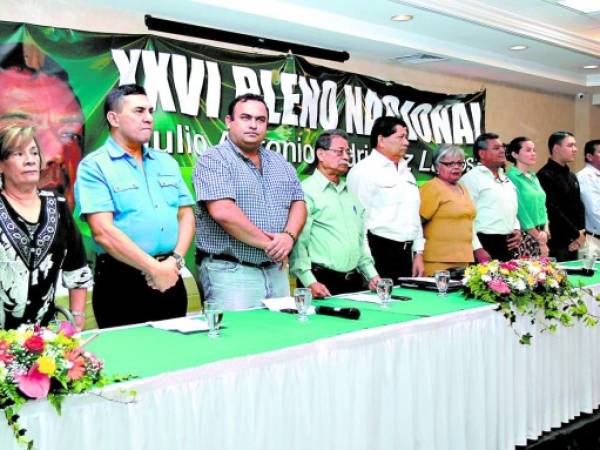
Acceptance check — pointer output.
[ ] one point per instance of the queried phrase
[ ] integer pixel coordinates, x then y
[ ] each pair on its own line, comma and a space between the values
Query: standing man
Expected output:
332, 256
495, 197
141, 217
563, 201
250, 212
589, 184
388, 190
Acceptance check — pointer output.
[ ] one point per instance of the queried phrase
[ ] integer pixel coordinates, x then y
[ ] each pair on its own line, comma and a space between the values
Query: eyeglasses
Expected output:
339, 151
461, 164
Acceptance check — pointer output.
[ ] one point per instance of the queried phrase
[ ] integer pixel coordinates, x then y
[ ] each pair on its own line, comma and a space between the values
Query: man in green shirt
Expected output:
332, 255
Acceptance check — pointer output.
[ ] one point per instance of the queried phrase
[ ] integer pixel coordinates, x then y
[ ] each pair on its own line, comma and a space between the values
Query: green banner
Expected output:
60, 77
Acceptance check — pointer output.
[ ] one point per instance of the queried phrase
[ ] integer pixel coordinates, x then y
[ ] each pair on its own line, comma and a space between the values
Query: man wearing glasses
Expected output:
495, 197
331, 256
566, 213
388, 190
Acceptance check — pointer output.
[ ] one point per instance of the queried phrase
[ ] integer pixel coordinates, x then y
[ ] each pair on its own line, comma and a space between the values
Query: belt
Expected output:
595, 235
223, 257
345, 275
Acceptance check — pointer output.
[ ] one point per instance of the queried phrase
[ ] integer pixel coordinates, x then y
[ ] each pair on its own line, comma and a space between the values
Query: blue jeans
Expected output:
236, 286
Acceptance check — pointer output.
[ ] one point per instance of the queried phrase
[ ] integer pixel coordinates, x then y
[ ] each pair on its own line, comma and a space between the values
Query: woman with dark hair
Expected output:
532, 213
38, 236
447, 212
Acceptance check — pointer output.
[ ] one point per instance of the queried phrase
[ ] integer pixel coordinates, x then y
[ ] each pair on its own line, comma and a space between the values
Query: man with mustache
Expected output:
33, 85
140, 213
335, 221
250, 212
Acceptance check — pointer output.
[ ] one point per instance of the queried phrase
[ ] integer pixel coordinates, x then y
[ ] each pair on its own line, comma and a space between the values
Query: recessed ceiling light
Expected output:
402, 17
584, 6
517, 48
591, 66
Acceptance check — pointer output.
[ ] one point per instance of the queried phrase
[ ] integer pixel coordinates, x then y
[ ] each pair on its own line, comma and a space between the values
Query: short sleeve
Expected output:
92, 193
75, 270
430, 200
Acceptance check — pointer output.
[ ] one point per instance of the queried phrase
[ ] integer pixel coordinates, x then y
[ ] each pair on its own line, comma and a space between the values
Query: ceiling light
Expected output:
584, 6
402, 17
591, 66
517, 48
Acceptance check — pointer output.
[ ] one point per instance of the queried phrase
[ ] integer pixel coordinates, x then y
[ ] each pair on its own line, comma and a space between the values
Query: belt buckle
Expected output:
348, 275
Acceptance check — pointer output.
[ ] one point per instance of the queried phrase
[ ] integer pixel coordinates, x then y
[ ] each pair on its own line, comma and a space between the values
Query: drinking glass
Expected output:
590, 258
384, 291
214, 315
442, 278
303, 299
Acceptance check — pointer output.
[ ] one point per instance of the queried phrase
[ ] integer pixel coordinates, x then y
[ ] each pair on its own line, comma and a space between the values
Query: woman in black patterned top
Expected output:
38, 236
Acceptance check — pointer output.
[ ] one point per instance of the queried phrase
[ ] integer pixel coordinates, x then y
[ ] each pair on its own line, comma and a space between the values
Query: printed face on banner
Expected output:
50, 102
248, 126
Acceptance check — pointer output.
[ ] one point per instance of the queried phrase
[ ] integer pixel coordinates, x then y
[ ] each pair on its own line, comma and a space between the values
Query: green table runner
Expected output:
146, 351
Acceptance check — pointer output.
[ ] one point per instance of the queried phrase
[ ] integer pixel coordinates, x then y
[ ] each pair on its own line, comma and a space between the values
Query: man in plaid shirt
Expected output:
250, 210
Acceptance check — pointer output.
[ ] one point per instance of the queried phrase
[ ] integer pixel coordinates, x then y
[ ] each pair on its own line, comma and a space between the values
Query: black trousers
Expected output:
338, 282
393, 259
496, 245
121, 296
561, 253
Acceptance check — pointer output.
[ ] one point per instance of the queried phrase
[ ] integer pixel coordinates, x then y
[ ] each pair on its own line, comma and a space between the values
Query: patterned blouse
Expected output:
31, 258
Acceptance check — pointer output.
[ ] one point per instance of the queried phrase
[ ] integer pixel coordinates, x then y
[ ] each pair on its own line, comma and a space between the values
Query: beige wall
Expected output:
510, 110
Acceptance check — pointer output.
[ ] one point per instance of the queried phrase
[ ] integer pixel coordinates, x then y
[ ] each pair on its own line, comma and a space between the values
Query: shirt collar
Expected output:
594, 170
484, 170
115, 151
515, 171
239, 152
323, 182
557, 167
382, 160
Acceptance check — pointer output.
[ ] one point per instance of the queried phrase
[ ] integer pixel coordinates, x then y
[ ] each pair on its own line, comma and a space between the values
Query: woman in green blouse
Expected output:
532, 213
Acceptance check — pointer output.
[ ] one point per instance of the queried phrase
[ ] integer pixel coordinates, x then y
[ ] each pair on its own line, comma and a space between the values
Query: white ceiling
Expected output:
474, 35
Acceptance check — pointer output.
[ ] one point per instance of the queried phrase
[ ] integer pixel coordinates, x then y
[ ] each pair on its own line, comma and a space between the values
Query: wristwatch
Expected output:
178, 260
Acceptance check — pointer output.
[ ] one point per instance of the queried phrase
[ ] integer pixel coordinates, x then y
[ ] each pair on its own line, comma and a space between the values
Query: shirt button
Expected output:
156, 206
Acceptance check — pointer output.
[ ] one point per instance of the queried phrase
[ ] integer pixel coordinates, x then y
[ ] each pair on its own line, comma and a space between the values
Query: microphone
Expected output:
345, 313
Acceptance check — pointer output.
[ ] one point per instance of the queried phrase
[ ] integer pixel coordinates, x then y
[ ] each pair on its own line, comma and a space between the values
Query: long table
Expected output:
429, 374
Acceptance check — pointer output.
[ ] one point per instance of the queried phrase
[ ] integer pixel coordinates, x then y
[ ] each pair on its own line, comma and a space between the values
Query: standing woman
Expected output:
532, 213
448, 213
38, 236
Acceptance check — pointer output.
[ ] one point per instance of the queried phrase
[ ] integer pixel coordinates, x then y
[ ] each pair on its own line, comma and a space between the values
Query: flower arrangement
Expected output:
37, 363
535, 288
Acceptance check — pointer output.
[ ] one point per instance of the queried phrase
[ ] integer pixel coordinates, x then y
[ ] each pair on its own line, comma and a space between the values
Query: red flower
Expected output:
5, 357
35, 344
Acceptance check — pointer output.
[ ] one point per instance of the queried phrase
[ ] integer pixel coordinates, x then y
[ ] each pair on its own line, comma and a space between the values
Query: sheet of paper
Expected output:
279, 303
361, 297
181, 324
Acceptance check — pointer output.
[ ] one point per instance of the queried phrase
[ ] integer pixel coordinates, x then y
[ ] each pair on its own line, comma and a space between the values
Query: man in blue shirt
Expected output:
250, 212
140, 214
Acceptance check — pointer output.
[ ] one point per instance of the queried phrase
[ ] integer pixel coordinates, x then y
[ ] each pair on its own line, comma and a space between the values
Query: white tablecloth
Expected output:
456, 382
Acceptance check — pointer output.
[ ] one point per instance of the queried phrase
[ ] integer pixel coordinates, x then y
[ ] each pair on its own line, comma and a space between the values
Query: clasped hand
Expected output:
164, 276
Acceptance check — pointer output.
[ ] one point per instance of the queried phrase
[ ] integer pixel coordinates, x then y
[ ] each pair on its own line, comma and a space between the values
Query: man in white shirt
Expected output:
495, 198
589, 185
388, 190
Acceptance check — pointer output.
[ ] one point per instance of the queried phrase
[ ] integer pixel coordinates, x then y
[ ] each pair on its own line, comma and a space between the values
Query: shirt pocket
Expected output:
127, 194
169, 189
388, 191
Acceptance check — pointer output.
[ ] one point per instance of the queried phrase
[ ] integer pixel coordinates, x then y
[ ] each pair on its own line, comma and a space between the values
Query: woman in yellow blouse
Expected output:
448, 214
